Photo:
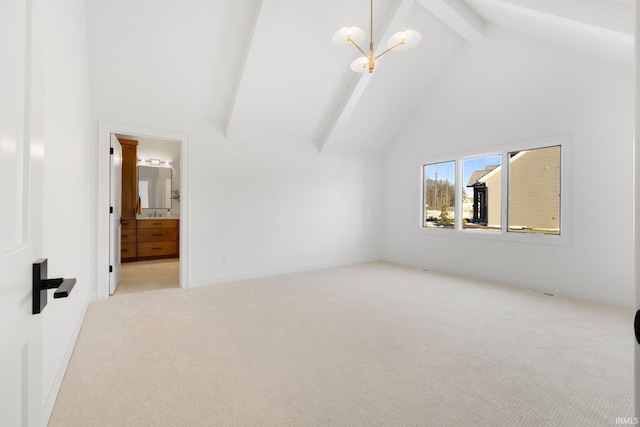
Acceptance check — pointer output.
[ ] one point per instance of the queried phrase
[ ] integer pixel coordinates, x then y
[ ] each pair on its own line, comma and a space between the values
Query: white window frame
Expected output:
449, 159
564, 238
502, 203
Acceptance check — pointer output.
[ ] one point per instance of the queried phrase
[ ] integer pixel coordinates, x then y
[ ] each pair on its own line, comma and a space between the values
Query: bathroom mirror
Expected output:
154, 187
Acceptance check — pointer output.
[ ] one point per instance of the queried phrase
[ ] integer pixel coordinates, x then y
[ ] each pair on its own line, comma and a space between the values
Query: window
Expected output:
534, 191
439, 194
509, 192
482, 193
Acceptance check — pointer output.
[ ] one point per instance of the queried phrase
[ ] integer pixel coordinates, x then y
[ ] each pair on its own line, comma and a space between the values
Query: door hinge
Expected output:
111, 150
111, 269
110, 209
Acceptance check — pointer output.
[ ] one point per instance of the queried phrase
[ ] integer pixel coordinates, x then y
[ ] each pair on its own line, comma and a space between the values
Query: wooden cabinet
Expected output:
128, 238
129, 178
128, 235
157, 238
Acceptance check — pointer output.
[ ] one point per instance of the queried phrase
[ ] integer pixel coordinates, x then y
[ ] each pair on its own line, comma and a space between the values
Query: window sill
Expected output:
498, 236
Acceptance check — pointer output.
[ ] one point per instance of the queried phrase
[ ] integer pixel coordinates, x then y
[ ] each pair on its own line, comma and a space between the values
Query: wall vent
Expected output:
546, 294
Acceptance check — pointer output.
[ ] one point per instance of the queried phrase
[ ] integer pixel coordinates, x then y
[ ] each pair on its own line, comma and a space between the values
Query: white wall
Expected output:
509, 88
277, 205
69, 176
271, 202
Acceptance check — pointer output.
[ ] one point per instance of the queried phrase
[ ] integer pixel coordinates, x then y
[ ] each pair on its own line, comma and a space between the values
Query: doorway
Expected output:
178, 212
150, 215
141, 276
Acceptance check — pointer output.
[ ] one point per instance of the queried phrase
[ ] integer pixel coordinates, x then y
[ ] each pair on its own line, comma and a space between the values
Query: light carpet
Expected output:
367, 345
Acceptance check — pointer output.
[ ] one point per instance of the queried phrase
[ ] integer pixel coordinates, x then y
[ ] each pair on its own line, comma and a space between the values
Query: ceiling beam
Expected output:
596, 27
354, 94
614, 16
457, 15
264, 20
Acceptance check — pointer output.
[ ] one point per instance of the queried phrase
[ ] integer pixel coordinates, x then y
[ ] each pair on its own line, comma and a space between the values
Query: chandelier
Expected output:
345, 36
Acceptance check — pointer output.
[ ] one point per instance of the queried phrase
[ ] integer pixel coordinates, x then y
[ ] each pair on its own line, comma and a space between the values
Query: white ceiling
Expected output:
250, 66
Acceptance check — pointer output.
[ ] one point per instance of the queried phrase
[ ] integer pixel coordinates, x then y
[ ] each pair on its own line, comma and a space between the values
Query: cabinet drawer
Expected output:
128, 236
157, 234
129, 224
160, 223
147, 249
128, 250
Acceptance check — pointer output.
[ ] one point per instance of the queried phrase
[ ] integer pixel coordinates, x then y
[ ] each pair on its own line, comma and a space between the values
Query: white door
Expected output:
21, 169
115, 217
636, 172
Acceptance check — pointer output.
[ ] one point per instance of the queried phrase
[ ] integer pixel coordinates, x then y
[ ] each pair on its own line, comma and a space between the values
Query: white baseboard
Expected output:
216, 280
47, 408
571, 292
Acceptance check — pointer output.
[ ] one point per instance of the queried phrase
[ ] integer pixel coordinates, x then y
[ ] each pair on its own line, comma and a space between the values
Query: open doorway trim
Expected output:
105, 129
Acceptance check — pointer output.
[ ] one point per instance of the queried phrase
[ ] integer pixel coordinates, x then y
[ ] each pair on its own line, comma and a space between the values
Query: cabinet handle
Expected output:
156, 249
125, 235
157, 223
157, 235
124, 250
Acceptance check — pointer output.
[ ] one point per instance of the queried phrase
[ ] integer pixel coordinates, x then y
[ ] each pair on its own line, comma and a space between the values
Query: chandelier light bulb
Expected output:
360, 65
345, 36
404, 40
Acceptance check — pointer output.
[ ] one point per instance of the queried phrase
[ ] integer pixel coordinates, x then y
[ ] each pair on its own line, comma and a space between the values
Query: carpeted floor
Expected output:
367, 345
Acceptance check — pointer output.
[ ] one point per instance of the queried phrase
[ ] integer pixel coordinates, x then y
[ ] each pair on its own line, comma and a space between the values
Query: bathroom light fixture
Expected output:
154, 162
402, 40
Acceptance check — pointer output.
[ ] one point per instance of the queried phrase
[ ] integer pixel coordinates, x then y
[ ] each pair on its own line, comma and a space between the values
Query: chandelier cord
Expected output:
371, 21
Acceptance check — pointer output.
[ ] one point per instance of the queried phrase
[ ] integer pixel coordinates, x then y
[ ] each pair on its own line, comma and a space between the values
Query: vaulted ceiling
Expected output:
251, 66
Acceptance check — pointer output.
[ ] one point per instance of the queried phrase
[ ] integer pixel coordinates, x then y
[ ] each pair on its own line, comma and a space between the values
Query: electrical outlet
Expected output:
226, 258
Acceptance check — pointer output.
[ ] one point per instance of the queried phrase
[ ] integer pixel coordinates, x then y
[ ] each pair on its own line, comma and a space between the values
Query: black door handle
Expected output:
41, 285
636, 326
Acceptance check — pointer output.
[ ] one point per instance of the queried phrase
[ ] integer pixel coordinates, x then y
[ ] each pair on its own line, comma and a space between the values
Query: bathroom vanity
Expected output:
147, 231
157, 238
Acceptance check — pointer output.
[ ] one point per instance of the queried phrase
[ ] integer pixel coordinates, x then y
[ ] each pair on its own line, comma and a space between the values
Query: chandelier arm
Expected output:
390, 49
358, 47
